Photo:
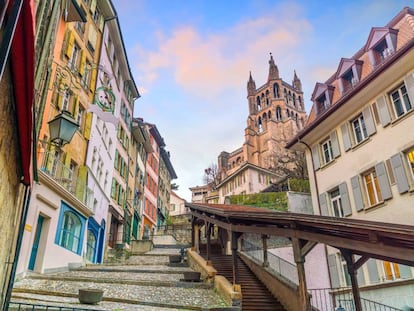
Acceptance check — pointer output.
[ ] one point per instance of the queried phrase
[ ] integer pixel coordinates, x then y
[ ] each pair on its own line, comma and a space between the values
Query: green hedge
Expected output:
299, 185
271, 200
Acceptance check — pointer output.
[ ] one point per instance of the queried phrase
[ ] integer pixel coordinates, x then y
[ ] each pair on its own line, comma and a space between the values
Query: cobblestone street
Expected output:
144, 282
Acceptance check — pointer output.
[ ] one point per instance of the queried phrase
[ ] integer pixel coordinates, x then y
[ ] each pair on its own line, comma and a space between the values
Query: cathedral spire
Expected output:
251, 86
297, 85
273, 71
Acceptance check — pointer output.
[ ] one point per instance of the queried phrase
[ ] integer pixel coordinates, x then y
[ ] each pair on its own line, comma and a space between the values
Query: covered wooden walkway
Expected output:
367, 239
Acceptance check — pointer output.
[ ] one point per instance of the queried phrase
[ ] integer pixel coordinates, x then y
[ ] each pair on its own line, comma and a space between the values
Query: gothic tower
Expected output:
276, 114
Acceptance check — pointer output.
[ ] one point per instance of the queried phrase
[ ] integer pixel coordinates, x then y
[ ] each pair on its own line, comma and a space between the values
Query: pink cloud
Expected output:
220, 61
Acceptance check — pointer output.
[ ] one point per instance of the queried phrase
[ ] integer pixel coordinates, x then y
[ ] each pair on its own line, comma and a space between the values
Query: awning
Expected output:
22, 61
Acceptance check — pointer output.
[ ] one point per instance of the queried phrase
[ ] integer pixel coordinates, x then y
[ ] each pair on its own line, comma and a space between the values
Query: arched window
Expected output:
267, 98
90, 246
269, 115
294, 99
278, 114
288, 113
264, 116
260, 125
286, 95
70, 232
259, 107
289, 98
276, 90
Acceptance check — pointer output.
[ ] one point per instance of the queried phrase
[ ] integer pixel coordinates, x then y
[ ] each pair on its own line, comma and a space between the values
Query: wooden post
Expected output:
300, 266
208, 229
352, 270
193, 231
264, 243
234, 237
197, 238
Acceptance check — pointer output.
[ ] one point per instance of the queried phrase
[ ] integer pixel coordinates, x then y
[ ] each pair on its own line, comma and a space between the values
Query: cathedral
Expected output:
276, 115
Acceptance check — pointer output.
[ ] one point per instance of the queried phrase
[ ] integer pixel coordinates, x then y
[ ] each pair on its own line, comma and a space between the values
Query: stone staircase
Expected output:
140, 282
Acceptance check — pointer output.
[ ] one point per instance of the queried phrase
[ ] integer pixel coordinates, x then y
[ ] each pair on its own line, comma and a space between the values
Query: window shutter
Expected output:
76, 108
101, 23
69, 46
399, 173
93, 7
88, 124
384, 114
383, 181
405, 271
113, 188
92, 37
346, 206
345, 137
323, 204
356, 190
82, 63
315, 157
369, 121
335, 145
82, 178
373, 271
409, 82
93, 80
59, 100
333, 271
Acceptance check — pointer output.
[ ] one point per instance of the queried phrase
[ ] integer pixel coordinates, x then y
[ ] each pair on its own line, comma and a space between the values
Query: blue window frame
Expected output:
71, 229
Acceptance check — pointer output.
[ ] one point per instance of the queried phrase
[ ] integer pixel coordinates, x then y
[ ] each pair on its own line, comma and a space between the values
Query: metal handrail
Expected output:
51, 165
277, 265
23, 306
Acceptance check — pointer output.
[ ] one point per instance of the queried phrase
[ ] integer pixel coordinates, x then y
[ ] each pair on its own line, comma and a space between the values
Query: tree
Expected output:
289, 163
211, 175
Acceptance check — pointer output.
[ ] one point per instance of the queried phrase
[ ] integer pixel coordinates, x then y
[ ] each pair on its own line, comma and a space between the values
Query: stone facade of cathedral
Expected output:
276, 115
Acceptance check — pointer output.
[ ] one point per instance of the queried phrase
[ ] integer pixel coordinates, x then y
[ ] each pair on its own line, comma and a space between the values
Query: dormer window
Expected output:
322, 97
348, 74
381, 43
322, 103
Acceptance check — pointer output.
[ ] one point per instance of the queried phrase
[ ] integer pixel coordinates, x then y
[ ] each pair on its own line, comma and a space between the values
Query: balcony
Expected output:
52, 166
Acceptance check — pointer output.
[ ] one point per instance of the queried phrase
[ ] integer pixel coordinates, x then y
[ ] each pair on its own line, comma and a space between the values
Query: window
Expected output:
90, 246
336, 203
80, 117
66, 100
327, 153
400, 100
359, 129
372, 187
69, 233
322, 103
74, 60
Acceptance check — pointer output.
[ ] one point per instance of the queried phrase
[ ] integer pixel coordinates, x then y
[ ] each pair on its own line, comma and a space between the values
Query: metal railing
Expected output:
22, 306
341, 299
63, 175
277, 265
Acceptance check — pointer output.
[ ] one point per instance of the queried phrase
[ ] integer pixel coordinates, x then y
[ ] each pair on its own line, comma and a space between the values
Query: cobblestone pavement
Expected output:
141, 283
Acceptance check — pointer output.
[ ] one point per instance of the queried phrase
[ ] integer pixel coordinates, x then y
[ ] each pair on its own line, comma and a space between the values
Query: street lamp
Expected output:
62, 128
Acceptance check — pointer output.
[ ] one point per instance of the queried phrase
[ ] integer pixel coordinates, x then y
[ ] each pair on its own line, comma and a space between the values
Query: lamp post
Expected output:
62, 128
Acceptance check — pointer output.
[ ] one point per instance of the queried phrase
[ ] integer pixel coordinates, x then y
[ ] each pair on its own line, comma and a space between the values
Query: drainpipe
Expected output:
319, 206
314, 175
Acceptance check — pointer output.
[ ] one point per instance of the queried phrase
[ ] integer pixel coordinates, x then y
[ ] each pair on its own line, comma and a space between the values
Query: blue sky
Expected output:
191, 62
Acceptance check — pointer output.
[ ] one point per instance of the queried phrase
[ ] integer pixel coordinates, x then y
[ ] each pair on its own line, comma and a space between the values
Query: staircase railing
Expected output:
277, 265
22, 306
327, 299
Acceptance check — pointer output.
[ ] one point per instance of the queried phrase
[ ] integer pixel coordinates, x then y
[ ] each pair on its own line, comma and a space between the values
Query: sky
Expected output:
191, 62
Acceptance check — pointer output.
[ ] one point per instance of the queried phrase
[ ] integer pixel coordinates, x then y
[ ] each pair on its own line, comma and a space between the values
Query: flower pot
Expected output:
175, 258
192, 276
90, 295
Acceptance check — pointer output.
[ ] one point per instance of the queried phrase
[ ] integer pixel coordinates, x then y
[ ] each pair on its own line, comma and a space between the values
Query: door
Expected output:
36, 242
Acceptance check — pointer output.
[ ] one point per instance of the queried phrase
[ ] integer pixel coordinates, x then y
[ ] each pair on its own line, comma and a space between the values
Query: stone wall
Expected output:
10, 207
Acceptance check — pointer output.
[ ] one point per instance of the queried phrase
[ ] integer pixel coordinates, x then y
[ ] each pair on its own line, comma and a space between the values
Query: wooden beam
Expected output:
352, 271
307, 247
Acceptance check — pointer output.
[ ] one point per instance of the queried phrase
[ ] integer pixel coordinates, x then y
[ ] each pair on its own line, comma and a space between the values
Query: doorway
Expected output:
36, 242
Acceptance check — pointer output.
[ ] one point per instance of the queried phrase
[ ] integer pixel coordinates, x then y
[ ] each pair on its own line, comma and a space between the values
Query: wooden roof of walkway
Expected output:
369, 239
380, 240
